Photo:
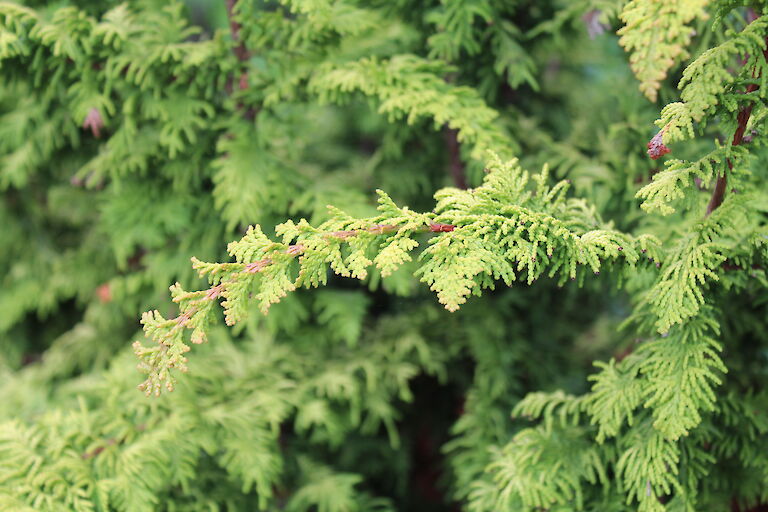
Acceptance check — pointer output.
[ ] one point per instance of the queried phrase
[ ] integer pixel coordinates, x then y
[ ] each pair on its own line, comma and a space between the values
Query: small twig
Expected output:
242, 54
99, 449
718, 194
751, 15
454, 155
732, 266
296, 250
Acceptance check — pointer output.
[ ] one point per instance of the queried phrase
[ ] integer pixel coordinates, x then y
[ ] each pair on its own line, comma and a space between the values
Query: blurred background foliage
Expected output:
133, 137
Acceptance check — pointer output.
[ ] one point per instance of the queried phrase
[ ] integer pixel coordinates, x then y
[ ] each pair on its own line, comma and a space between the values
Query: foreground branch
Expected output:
297, 250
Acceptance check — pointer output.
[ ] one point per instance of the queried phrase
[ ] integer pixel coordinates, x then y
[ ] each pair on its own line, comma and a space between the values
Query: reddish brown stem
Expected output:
454, 155
718, 194
731, 266
93, 453
437, 227
242, 54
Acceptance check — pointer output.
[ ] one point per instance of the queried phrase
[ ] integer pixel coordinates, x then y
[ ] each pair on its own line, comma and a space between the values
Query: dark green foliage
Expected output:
519, 310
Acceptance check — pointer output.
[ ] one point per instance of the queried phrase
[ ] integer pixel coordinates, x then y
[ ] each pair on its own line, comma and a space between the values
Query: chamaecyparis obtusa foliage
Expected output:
500, 231
137, 135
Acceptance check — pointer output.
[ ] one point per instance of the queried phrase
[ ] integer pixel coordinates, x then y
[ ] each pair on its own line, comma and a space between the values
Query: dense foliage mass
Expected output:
569, 313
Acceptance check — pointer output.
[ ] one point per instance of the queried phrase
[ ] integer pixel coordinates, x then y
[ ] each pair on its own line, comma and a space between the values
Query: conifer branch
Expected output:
158, 117
718, 194
493, 232
196, 306
707, 82
656, 34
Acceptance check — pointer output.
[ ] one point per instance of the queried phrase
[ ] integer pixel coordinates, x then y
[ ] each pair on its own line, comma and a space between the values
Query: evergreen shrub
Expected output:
540, 284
